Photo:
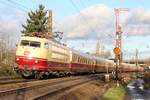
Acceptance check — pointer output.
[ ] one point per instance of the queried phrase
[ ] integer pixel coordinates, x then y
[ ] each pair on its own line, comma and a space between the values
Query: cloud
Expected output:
99, 20
10, 25
89, 23
138, 22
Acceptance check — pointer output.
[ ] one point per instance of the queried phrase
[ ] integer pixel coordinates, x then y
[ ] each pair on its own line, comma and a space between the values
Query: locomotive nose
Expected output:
26, 53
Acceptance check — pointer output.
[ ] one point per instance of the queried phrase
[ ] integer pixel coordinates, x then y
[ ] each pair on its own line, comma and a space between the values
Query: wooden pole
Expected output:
50, 23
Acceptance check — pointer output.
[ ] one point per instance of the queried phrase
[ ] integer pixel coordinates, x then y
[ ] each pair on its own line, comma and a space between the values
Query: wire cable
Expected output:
92, 28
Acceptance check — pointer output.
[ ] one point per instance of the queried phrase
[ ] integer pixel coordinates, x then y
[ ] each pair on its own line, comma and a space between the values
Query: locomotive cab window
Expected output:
24, 43
30, 43
35, 44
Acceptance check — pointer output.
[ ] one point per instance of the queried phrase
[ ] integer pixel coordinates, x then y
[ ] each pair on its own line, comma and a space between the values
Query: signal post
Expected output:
117, 55
117, 50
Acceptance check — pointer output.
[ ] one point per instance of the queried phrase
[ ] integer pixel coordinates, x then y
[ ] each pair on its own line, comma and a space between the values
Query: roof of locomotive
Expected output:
33, 38
39, 39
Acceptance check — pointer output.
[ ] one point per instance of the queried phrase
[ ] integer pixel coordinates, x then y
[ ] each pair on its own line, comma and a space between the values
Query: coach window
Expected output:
76, 58
73, 58
84, 61
79, 59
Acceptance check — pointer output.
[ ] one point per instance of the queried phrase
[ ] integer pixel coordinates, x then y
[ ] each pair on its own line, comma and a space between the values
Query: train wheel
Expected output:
26, 77
61, 74
46, 75
68, 74
26, 74
39, 76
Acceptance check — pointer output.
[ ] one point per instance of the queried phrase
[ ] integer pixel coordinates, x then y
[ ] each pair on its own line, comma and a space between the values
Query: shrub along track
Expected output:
42, 89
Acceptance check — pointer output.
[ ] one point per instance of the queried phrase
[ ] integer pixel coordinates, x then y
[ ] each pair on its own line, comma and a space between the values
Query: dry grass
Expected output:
6, 70
90, 91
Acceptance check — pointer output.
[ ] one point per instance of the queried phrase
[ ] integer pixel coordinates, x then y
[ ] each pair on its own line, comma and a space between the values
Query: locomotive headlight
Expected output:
36, 61
17, 59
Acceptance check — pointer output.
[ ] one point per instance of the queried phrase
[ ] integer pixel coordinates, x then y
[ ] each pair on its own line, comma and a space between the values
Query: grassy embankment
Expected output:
114, 93
118, 93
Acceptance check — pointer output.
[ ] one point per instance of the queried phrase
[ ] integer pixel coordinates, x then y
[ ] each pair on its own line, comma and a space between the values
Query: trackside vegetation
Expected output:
114, 93
7, 71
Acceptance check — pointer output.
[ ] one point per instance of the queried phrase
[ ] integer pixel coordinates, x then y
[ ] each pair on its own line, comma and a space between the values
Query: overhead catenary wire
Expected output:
21, 7
84, 18
18, 4
12, 5
76, 7
85, 5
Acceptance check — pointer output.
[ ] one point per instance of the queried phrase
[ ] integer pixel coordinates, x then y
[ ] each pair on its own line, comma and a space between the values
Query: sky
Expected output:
83, 22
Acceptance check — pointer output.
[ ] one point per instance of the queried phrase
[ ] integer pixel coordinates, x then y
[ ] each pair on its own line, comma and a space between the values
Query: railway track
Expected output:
9, 78
42, 90
13, 81
60, 89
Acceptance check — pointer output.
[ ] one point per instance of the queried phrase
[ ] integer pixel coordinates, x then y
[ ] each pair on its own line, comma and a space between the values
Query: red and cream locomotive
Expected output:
41, 57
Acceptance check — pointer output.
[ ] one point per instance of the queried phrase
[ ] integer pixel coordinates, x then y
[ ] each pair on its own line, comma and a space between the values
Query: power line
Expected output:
84, 5
76, 7
12, 5
21, 7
